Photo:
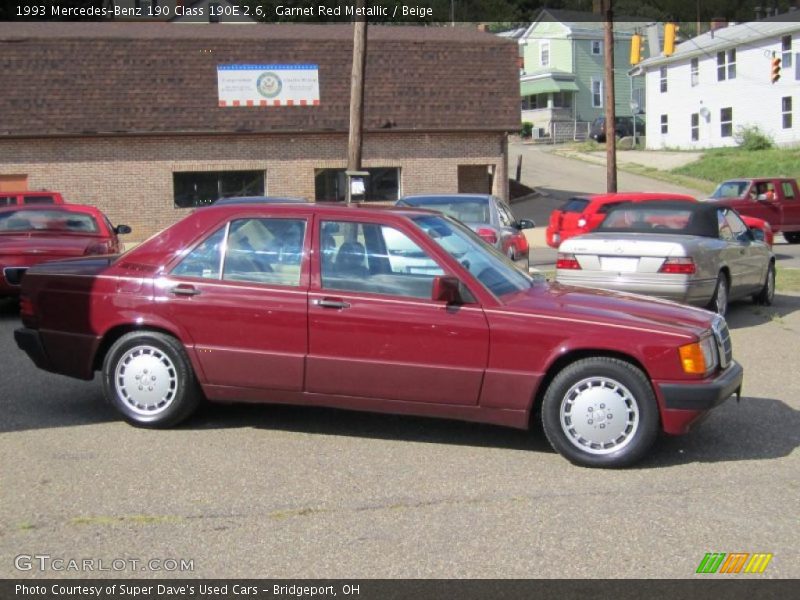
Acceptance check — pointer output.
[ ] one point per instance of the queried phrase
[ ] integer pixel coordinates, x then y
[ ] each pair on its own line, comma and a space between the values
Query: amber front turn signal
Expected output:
698, 358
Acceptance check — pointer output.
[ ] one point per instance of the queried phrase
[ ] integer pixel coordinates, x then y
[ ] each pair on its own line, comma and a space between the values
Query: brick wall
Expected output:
130, 178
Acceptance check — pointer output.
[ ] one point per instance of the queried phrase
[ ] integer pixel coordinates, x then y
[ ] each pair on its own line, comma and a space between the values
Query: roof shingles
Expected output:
98, 78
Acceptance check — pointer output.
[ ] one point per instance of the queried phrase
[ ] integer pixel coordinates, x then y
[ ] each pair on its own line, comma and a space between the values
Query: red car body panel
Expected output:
26, 248
483, 361
564, 225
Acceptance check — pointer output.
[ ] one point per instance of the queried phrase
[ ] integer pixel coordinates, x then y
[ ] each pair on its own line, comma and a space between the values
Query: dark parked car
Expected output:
302, 304
486, 215
624, 128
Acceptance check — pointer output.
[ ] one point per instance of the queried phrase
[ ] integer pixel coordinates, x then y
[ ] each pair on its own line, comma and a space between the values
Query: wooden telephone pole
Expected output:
611, 121
356, 102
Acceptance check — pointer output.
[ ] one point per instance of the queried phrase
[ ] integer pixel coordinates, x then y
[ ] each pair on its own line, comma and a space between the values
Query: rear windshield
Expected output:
466, 211
38, 200
649, 218
47, 220
575, 205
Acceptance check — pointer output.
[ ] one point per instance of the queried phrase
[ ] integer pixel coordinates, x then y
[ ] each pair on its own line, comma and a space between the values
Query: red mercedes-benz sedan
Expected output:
391, 310
33, 234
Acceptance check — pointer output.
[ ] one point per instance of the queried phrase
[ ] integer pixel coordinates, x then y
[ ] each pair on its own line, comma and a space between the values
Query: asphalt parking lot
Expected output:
275, 491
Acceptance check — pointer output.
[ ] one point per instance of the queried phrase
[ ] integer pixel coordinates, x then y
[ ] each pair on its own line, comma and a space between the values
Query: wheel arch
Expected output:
572, 356
116, 332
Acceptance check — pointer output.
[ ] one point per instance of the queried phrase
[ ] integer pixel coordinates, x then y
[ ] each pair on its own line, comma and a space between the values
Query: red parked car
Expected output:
583, 214
388, 310
33, 234
40, 197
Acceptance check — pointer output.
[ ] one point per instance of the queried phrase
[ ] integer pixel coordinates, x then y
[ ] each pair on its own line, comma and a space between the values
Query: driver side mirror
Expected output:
122, 229
446, 289
525, 224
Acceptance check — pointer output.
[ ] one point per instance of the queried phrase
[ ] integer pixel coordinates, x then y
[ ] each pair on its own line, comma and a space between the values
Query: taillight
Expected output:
679, 265
96, 248
567, 261
522, 243
487, 235
27, 311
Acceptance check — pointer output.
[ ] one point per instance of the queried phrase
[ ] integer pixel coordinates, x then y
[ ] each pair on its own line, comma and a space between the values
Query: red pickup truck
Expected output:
773, 199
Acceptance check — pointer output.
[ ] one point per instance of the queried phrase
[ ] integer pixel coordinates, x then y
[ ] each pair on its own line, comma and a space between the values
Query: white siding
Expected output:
751, 95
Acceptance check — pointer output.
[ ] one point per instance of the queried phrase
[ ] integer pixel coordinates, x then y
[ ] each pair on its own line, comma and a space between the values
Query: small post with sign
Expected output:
355, 184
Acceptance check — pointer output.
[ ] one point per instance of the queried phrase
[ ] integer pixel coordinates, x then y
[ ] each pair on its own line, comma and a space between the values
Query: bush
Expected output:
752, 138
527, 129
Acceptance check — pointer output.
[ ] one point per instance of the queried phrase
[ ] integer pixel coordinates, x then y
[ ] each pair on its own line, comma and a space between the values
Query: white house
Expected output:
719, 81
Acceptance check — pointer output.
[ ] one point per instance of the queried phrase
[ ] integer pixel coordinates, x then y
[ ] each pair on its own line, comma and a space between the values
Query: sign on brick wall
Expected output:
268, 85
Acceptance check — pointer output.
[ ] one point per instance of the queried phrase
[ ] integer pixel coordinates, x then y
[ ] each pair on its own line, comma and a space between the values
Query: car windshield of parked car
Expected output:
492, 268
730, 189
657, 217
472, 210
60, 221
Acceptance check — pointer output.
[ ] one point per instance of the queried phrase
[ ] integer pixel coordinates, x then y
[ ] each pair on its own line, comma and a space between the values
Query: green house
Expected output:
562, 72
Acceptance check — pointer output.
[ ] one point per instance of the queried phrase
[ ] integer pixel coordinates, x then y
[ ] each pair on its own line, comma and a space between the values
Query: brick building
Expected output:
127, 116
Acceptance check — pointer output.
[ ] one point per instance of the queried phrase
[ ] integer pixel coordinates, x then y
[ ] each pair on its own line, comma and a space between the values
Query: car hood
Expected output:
32, 244
609, 308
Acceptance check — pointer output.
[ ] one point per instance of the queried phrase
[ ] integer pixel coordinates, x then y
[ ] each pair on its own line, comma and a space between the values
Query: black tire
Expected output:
792, 237
767, 293
149, 379
607, 380
719, 301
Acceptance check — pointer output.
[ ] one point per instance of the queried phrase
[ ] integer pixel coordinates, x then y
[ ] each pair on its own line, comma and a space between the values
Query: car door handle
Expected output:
185, 290
331, 303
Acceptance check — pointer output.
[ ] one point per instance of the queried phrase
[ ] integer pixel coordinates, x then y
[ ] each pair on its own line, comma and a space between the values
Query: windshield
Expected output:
730, 189
467, 211
496, 272
54, 220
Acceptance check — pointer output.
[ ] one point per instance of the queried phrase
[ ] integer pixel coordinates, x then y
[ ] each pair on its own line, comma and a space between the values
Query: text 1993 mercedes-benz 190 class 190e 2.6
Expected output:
326, 305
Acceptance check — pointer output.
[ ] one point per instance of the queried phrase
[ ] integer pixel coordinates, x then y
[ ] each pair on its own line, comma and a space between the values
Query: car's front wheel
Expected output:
149, 379
600, 412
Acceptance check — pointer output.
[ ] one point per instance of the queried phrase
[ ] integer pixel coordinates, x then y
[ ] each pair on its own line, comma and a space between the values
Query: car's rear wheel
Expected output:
767, 293
792, 237
719, 301
149, 379
600, 412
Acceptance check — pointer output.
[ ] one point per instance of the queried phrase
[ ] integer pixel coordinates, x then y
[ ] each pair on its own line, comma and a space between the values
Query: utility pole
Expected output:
611, 121
356, 102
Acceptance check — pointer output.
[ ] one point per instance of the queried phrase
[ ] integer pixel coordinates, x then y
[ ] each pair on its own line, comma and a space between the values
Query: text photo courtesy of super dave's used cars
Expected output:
396, 310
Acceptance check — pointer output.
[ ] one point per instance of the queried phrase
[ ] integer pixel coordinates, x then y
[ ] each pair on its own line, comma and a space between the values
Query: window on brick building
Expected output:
383, 184
200, 188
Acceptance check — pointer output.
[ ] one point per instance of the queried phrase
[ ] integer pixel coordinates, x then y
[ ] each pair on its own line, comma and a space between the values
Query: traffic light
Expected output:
636, 49
775, 70
670, 31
